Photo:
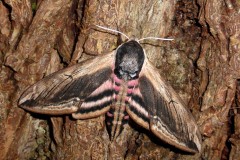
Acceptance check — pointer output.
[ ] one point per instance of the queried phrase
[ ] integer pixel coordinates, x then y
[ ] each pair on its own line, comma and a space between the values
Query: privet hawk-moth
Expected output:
122, 84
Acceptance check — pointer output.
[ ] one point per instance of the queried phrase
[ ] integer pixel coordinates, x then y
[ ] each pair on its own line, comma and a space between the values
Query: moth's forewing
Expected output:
64, 91
169, 119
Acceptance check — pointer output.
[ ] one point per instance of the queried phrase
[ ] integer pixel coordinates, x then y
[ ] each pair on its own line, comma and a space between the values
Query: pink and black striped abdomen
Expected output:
124, 95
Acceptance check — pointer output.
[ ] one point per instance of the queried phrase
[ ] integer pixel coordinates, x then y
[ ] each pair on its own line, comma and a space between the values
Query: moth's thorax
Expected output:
117, 115
129, 60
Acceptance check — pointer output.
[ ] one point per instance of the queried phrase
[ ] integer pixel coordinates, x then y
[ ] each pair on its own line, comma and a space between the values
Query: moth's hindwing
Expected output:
64, 91
97, 103
157, 107
137, 109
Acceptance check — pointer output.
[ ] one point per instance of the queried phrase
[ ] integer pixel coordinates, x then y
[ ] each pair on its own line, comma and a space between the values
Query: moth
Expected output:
123, 85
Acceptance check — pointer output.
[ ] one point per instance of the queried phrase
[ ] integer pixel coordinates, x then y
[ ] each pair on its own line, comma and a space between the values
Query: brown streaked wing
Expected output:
63, 92
169, 119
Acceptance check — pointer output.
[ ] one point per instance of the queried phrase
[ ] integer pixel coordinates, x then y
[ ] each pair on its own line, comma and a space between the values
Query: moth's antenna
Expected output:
112, 30
164, 39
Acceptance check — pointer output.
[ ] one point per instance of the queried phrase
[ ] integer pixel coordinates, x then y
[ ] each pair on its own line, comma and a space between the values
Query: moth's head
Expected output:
129, 60
129, 56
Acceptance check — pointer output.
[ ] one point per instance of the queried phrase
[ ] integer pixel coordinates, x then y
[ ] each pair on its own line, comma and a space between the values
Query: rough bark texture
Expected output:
202, 64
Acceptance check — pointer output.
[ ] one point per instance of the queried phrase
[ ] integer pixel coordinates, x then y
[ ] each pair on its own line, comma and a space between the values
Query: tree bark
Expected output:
202, 64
